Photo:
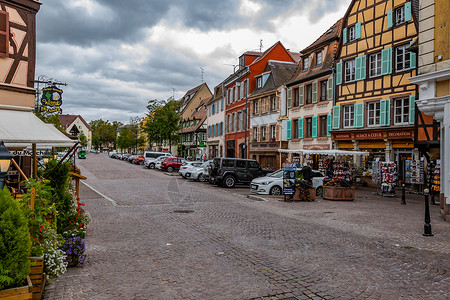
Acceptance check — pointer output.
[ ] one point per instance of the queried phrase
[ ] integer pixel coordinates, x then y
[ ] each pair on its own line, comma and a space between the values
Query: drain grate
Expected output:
183, 211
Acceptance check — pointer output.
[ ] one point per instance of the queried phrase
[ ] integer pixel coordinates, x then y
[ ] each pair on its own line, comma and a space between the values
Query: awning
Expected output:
19, 128
335, 152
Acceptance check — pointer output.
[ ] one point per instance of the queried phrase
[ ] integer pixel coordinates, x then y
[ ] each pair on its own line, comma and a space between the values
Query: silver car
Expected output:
186, 168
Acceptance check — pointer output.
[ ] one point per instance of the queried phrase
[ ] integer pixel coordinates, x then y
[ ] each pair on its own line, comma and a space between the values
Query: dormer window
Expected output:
305, 64
259, 82
319, 58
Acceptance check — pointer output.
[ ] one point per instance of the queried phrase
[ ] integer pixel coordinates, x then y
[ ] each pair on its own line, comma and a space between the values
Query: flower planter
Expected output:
20, 293
299, 197
37, 276
338, 193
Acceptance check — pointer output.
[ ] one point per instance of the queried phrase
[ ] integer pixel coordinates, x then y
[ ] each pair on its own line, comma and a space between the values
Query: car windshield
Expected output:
276, 174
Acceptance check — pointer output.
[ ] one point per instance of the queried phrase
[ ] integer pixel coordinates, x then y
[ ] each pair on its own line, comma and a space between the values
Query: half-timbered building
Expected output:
375, 103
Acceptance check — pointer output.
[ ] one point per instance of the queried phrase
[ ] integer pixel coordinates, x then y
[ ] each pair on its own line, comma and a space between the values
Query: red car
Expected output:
172, 163
139, 160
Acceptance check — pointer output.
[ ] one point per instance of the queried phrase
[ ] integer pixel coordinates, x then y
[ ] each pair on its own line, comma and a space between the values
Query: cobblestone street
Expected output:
155, 236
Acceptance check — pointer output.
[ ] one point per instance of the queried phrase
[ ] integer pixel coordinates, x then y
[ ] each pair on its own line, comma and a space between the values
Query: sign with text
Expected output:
289, 178
51, 99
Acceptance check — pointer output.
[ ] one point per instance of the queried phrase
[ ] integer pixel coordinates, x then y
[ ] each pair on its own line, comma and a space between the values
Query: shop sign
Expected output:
368, 135
400, 134
317, 147
28, 152
342, 136
289, 178
51, 99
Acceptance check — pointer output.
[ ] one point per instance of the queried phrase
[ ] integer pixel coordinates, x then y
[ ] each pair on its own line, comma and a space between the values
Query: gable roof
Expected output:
334, 32
200, 114
67, 120
280, 73
265, 53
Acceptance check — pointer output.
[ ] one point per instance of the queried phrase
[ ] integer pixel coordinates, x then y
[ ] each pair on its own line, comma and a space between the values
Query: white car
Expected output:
272, 184
197, 173
186, 168
150, 159
158, 162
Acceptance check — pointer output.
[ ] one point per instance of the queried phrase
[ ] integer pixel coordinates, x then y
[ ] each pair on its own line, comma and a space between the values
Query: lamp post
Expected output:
5, 162
427, 226
238, 84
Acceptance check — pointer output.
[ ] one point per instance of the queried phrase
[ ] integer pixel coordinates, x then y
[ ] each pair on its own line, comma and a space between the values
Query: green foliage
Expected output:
14, 243
103, 132
163, 120
50, 118
83, 139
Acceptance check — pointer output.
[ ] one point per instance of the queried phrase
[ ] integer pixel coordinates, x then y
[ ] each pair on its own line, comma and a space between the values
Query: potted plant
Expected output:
338, 190
14, 249
263, 138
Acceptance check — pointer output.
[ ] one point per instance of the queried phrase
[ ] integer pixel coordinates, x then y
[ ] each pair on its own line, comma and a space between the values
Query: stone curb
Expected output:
257, 198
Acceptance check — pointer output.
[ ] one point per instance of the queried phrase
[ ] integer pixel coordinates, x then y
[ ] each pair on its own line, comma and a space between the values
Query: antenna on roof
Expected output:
260, 45
203, 71
173, 94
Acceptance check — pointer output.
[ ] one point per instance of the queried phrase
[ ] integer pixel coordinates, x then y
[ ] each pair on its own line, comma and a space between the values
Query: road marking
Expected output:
114, 203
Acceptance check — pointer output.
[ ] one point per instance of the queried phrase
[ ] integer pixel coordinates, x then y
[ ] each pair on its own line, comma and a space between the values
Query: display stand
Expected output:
435, 180
376, 176
414, 172
388, 178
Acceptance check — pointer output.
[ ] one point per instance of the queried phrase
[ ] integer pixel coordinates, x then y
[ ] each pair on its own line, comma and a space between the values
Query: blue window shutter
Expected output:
221, 104
386, 61
385, 112
314, 127
339, 73
358, 30
336, 117
412, 60
289, 129
412, 109
328, 125
209, 131
344, 36
363, 67
359, 115
301, 123
408, 11
390, 20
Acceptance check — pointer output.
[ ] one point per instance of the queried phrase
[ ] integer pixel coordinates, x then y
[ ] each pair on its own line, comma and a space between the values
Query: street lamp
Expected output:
238, 84
427, 226
5, 162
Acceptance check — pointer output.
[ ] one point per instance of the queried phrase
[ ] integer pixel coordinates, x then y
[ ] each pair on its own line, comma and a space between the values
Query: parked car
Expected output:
82, 154
186, 168
151, 157
112, 154
158, 162
272, 184
138, 160
172, 163
198, 173
125, 156
229, 171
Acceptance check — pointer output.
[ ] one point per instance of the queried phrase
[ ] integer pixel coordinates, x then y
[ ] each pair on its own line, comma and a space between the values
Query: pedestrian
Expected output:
307, 173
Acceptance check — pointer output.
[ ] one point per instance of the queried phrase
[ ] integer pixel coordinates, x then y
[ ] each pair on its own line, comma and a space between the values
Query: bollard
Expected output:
427, 226
403, 194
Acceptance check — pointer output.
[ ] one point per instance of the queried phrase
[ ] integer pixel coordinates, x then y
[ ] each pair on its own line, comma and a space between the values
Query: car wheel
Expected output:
201, 178
276, 190
229, 181
170, 169
319, 191
151, 166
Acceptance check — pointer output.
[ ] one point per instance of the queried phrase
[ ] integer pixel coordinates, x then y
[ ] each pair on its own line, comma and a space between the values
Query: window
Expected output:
309, 94
228, 163
273, 132
308, 129
259, 81
373, 115
255, 133
296, 100
256, 107
305, 64
295, 129
241, 164
323, 90
273, 103
323, 126
352, 34
4, 34
319, 58
348, 116
401, 111
263, 133
400, 15
253, 165
402, 58
375, 64
349, 70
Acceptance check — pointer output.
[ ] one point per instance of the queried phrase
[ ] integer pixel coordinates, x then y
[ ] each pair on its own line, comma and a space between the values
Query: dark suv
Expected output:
229, 171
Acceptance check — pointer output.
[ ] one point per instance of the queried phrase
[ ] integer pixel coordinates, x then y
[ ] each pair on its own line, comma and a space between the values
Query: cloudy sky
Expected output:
115, 55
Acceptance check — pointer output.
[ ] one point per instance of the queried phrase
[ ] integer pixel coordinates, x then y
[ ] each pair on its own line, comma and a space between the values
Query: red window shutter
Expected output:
4, 33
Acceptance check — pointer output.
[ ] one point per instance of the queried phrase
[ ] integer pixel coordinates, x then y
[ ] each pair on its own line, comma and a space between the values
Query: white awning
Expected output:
334, 152
19, 127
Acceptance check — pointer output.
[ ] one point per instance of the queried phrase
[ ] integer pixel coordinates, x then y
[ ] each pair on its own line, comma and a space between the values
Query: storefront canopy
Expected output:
335, 152
19, 128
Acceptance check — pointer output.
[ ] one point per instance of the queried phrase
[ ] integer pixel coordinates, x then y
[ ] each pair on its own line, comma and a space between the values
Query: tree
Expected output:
104, 132
83, 140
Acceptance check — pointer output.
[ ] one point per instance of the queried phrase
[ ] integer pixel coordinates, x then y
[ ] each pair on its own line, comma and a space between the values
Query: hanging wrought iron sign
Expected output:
51, 99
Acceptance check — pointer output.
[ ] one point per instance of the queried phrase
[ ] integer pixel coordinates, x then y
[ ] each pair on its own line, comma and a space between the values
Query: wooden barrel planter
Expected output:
20, 293
298, 193
338, 193
37, 276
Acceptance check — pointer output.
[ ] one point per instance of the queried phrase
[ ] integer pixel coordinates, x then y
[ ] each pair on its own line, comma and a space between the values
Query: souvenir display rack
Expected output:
388, 178
342, 171
436, 178
414, 172
376, 171
324, 165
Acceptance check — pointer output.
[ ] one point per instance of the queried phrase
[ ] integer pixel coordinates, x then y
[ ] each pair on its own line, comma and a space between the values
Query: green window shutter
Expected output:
390, 20
386, 61
300, 127
314, 91
289, 129
289, 98
336, 117
358, 68
328, 125
385, 112
359, 115
301, 95
314, 127
344, 36
339, 73
408, 11
357, 30
412, 60
412, 109
363, 67
330, 88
